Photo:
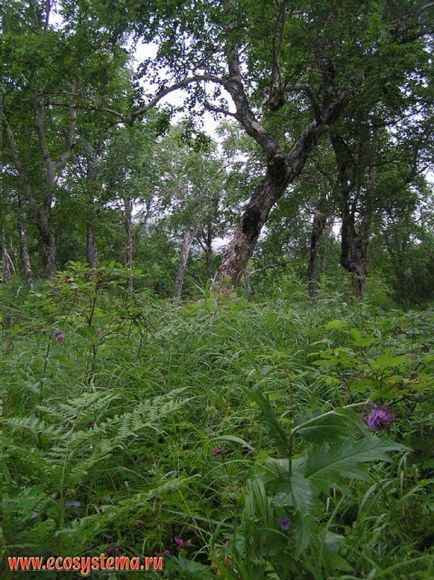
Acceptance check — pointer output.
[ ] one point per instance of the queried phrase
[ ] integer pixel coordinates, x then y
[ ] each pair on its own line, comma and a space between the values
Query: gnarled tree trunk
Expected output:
354, 249
281, 171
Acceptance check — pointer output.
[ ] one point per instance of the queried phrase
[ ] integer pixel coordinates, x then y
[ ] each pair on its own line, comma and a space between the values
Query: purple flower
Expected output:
379, 418
164, 553
72, 504
60, 336
180, 543
283, 524
216, 452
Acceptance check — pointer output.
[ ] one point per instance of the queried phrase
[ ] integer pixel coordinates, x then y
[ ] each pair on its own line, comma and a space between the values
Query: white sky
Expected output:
144, 51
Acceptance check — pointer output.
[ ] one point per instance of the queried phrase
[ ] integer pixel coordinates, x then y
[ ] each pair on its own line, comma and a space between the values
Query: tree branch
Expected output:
215, 109
70, 137
176, 86
234, 85
43, 147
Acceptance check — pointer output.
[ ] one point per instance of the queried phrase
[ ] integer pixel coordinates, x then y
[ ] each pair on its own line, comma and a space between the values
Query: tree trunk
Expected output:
247, 232
354, 250
24, 249
91, 252
328, 228
183, 259
313, 271
209, 250
129, 236
6, 262
281, 171
354, 246
47, 240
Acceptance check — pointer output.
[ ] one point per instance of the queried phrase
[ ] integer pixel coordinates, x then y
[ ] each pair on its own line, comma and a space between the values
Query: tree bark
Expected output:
354, 250
183, 259
313, 270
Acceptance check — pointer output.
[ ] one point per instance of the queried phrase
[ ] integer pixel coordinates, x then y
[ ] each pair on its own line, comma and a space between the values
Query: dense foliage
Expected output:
239, 428
216, 320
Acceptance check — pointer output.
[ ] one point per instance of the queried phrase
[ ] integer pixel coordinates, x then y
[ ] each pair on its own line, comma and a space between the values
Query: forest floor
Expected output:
239, 440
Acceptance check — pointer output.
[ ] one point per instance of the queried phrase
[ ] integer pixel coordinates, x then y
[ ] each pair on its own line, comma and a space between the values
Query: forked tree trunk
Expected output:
91, 251
313, 270
183, 259
354, 245
281, 171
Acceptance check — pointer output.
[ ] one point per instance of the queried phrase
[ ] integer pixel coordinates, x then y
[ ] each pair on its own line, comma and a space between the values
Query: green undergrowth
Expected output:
229, 436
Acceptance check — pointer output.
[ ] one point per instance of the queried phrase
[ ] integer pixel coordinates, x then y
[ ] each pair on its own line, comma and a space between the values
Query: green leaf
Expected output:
336, 324
388, 360
358, 340
276, 430
327, 466
340, 424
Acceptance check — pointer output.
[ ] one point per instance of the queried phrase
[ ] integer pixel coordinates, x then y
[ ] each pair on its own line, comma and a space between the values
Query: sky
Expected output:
149, 50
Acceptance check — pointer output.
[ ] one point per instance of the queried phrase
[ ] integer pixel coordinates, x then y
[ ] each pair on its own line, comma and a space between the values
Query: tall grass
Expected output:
142, 426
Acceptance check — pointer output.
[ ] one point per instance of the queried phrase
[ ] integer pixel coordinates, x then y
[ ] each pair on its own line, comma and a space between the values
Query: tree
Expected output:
49, 75
191, 190
290, 71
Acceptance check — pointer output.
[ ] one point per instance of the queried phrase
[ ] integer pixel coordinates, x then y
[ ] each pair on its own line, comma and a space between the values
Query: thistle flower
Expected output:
379, 418
60, 335
180, 543
283, 524
72, 504
216, 453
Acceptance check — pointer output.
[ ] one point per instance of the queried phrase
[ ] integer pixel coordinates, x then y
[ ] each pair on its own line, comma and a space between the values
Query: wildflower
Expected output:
180, 543
379, 418
216, 453
60, 335
164, 553
72, 504
283, 524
